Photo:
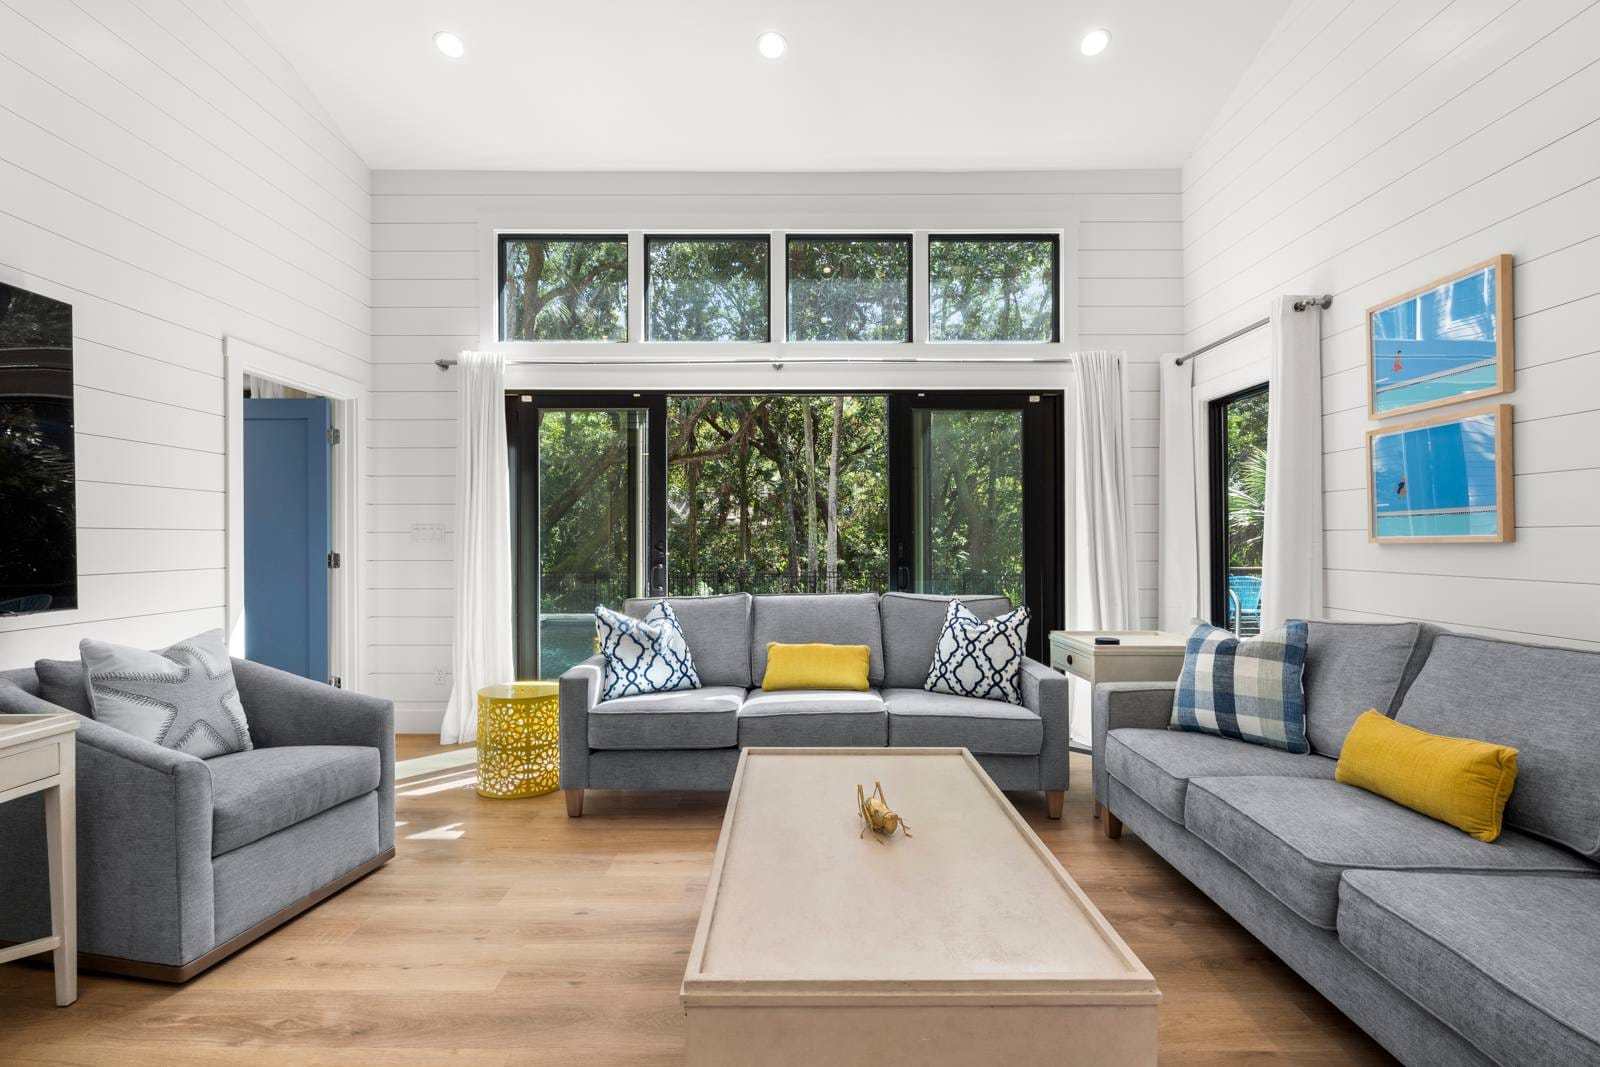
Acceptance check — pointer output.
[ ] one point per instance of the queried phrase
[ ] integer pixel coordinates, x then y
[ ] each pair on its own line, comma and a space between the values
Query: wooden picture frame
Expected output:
1452, 505
1410, 368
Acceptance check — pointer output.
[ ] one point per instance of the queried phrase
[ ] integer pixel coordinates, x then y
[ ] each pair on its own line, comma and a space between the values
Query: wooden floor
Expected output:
505, 933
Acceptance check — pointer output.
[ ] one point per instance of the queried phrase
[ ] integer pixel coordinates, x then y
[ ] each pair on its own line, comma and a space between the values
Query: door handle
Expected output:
902, 577
658, 580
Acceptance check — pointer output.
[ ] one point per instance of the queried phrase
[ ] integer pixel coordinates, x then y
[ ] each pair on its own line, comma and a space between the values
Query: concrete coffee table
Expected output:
965, 943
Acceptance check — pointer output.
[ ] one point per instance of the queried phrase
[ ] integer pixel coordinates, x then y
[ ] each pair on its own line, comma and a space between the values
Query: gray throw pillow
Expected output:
182, 697
61, 683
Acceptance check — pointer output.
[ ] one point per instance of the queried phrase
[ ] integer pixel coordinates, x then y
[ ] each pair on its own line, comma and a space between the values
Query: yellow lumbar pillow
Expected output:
1464, 783
816, 667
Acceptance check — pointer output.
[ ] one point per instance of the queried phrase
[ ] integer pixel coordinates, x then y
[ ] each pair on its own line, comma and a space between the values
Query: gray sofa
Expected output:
1447, 950
183, 861
691, 739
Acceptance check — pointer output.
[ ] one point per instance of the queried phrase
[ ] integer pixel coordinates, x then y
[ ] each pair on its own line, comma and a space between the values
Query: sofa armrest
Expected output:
1046, 693
1126, 705
579, 691
144, 847
285, 709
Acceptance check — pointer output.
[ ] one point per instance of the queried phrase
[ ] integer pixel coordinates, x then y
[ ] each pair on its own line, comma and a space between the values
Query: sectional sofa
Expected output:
690, 739
1447, 950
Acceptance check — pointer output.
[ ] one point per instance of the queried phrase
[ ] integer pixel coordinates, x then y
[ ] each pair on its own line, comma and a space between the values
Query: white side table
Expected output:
37, 754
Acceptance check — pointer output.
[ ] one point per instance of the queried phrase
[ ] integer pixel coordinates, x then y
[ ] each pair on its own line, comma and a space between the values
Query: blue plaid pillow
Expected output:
648, 655
1249, 690
980, 659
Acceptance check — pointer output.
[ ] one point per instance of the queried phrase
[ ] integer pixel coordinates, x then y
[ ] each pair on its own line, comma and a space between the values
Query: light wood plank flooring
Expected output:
505, 934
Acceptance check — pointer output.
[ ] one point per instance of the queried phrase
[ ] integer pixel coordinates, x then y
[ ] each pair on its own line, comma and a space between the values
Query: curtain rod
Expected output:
776, 364
1325, 301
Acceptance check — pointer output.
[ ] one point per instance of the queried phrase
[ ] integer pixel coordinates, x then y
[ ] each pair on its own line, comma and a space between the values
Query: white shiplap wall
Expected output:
1375, 146
430, 236
164, 171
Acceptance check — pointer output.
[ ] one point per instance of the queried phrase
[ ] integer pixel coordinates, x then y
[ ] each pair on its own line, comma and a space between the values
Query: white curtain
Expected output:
483, 542
1103, 596
1291, 557
1180, 512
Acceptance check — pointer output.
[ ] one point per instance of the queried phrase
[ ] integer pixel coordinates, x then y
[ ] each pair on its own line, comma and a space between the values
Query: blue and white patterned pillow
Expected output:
648, 655
980, 659
1249, 690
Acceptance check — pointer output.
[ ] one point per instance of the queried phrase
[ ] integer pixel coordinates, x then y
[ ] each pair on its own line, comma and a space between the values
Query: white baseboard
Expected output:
418, 718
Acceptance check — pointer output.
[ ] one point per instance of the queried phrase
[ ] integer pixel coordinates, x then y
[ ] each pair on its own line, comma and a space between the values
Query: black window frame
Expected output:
907, 239
522, 443
1054, 240
749, 238
500, 285
1217, 495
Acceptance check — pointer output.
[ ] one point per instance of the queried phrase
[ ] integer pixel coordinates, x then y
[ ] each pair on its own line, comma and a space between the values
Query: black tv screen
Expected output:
38, 505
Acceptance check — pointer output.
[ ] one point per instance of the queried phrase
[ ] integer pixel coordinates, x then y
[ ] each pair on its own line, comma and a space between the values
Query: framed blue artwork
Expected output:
1442, 479
1444, 343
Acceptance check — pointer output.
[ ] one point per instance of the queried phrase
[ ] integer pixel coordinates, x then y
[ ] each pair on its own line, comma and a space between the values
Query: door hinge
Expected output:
334, 560
334, 436
336, 681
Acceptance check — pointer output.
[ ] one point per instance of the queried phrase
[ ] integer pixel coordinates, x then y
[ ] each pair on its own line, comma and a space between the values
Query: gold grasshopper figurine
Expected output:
876, 814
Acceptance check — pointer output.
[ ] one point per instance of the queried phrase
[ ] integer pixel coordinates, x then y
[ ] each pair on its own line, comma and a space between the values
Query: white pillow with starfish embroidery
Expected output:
182, 697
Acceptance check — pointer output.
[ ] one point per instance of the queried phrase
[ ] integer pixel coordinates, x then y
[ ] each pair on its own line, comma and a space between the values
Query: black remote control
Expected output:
1108, 640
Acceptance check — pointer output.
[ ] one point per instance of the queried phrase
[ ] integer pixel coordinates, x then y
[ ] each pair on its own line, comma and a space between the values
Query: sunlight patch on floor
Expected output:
447, 832
440, 761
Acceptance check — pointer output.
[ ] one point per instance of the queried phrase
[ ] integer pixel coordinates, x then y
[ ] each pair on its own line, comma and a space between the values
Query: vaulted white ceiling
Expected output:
679, 85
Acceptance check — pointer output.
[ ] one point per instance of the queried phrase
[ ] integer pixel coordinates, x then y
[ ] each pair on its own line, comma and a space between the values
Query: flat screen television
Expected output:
38, 480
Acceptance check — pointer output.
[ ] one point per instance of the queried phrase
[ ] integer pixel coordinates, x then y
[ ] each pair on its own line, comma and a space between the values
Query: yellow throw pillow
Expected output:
816, 667
1462, 782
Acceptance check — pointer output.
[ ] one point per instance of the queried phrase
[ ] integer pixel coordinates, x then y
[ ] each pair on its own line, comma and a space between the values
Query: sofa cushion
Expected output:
827, 618
911, 626
1296, 836
717, 629
920, 719
690, 718
807, 717
1352, 667
264, 790
1510, 964
1157, 764
61, 683
1540, 701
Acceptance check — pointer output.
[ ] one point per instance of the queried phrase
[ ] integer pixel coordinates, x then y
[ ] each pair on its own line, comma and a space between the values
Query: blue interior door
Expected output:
286, 538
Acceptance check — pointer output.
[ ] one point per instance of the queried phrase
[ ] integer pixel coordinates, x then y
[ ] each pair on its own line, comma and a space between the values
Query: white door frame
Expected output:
346, 489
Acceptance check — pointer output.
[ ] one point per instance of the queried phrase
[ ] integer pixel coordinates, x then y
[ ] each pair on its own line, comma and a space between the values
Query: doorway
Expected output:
288, 446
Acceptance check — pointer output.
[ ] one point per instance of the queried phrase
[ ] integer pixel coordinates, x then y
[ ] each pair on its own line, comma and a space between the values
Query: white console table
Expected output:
37, 755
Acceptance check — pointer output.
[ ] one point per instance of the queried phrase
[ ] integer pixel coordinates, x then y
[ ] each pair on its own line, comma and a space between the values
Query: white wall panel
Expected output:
162, 170
429, 235
1374, 147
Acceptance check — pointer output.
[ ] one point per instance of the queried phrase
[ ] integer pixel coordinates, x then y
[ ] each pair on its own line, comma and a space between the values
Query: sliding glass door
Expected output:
702, 493
977, 508
583, 519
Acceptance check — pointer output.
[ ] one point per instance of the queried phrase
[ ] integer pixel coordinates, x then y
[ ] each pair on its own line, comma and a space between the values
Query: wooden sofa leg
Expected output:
574, 802
1053, 800
1112, 824
1099, 809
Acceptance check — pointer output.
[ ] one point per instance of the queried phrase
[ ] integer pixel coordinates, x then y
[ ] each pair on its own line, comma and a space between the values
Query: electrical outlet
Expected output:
441, 676
427, 533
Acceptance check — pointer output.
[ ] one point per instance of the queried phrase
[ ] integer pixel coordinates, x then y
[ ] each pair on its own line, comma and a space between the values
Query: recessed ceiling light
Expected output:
772, 45
1095, 42
449, 44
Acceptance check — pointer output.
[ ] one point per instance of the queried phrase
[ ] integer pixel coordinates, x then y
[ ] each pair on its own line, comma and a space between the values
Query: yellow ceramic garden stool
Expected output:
517, 752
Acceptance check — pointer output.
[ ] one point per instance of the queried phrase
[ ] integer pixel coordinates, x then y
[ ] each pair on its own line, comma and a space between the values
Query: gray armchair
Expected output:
183, 861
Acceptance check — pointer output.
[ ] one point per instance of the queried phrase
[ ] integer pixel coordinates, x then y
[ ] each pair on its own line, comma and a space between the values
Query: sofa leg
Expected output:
1112, 825
1053, 800
574, 802
1099, 810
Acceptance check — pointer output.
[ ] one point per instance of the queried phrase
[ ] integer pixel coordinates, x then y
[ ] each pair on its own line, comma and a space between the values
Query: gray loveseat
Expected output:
1446, 949
691, 739
183, 861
